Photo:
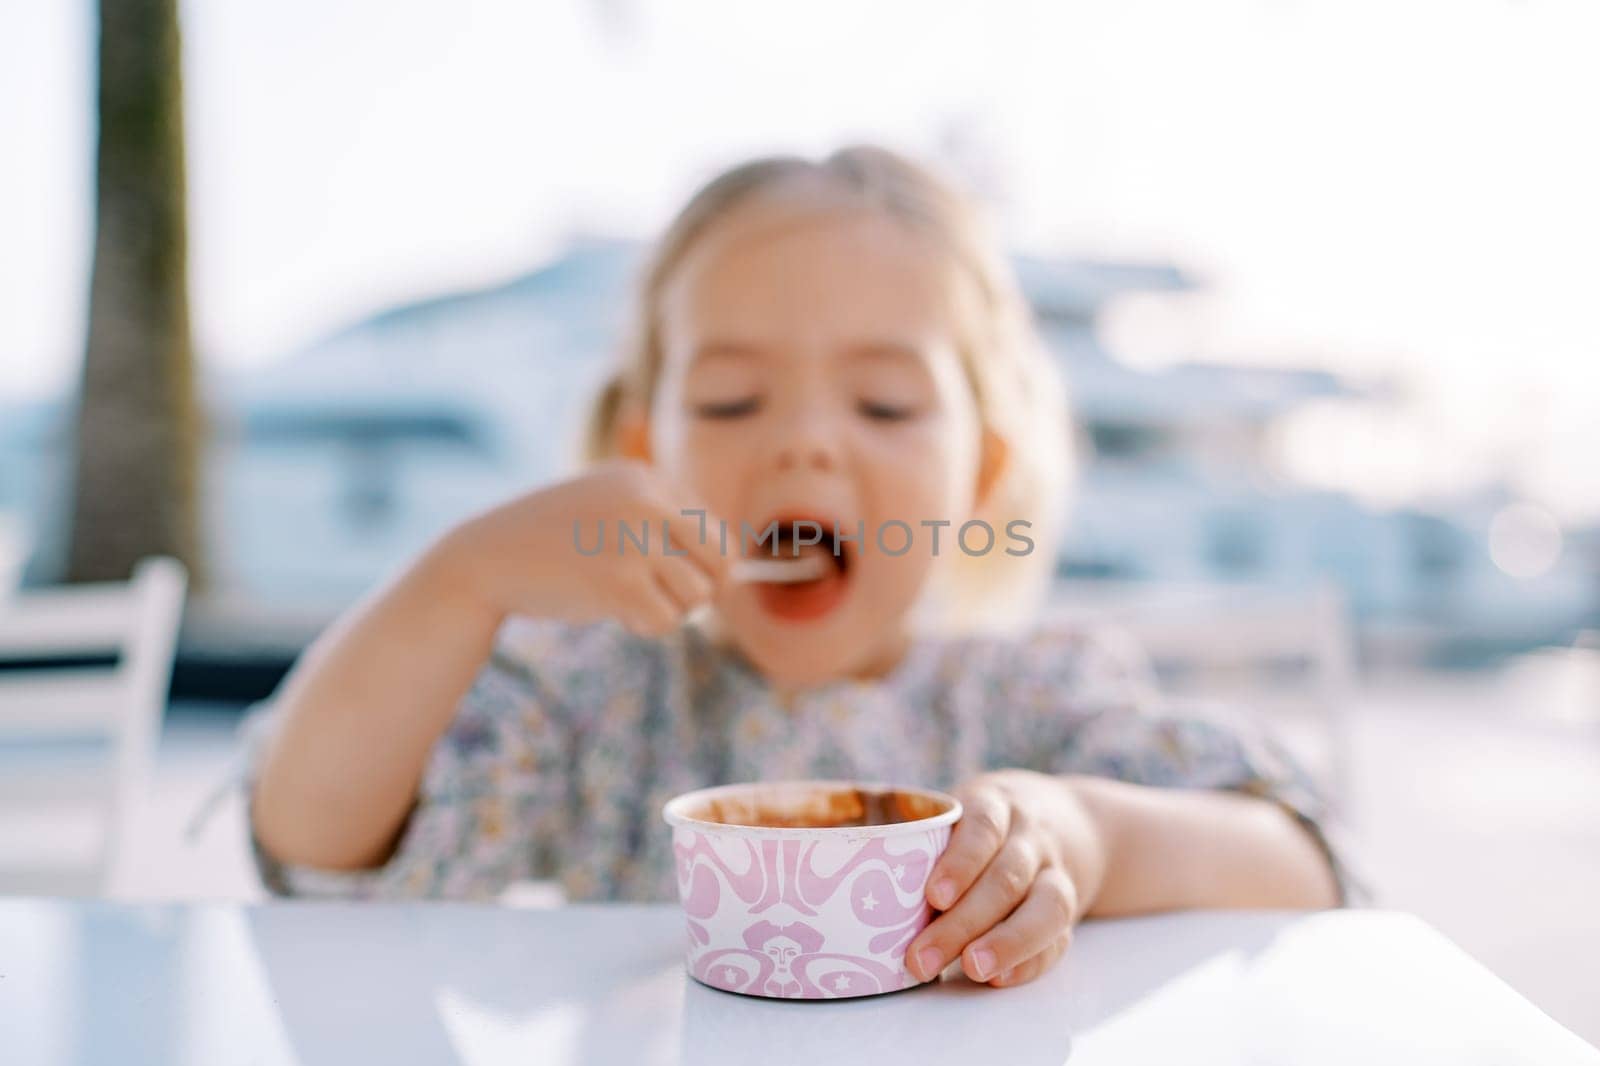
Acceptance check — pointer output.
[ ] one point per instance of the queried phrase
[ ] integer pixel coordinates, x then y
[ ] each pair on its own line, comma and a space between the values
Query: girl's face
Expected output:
810, 371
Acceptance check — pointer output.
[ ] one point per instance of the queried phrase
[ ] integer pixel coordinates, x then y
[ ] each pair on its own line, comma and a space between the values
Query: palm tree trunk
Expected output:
138, 427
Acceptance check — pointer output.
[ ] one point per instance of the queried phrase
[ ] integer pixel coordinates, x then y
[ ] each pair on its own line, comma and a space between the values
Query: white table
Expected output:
352, 984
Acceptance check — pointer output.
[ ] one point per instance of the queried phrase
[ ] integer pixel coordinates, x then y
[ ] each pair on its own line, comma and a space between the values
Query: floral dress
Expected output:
573, 737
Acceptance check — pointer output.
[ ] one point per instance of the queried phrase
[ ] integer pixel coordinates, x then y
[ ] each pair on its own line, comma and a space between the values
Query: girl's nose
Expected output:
811, 447
805, 430
814, 457
806, 435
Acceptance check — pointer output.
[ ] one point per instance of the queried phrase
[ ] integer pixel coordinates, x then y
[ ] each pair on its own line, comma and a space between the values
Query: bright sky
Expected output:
1393, 189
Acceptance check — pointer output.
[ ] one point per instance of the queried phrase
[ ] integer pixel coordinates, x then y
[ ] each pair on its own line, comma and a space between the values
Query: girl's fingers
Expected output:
685, 582
651, 611
977, 838
1038, 964
1045, 916
1004, 884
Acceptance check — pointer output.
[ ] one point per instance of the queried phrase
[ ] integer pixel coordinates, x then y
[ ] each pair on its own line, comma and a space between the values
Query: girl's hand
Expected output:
523, 558
1023, 865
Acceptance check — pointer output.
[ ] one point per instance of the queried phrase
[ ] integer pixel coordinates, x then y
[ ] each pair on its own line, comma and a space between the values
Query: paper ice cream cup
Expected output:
806, 889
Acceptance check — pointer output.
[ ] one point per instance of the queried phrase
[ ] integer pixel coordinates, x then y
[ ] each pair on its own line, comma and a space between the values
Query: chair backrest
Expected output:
13, 550
1225, 644
84, 672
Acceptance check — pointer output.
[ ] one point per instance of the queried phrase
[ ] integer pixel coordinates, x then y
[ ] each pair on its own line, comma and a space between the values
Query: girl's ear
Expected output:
993, 455
633, 434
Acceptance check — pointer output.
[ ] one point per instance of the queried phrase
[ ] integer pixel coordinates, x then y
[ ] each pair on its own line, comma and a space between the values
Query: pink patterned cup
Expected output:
806, 889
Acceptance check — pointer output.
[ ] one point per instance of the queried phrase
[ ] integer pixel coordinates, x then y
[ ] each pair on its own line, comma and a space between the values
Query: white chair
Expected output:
13, 551
83, 681
1223, 648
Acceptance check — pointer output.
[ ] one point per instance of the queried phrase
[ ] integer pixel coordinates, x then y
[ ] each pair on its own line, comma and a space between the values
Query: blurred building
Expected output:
334, 465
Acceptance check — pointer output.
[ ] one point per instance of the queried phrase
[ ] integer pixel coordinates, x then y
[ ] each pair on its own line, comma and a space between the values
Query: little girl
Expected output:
825, 356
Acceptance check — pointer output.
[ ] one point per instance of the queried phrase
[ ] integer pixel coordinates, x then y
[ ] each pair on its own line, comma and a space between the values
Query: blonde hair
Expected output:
1019, 392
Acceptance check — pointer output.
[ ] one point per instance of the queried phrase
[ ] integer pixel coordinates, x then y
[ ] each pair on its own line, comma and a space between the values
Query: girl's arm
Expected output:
1172, 849
365, 706
360, 714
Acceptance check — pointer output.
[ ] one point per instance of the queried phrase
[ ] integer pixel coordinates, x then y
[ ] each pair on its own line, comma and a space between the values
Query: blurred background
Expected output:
288, 301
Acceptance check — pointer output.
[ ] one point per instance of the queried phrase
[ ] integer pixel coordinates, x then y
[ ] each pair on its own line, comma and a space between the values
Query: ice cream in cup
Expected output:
806, 889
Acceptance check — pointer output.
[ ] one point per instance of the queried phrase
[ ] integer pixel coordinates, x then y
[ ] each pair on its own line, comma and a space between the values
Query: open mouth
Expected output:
798, 538
821, 586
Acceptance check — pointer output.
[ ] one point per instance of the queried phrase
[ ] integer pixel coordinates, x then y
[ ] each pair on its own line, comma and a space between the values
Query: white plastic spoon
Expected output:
776, 571
779, 571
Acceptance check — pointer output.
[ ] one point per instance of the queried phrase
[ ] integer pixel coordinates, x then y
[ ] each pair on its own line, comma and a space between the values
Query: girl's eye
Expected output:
886, 412
748, 405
